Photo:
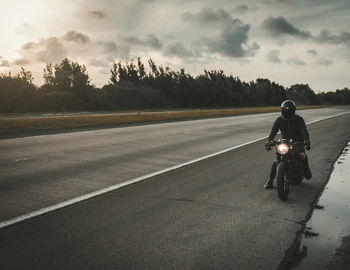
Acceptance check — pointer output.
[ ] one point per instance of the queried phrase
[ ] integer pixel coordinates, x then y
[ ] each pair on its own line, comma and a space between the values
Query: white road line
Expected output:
87, 196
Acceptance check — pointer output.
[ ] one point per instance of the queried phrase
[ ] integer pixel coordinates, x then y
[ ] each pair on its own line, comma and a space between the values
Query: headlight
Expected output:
283, 149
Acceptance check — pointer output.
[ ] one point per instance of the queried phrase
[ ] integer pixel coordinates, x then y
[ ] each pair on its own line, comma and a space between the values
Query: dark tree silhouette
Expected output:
131, 85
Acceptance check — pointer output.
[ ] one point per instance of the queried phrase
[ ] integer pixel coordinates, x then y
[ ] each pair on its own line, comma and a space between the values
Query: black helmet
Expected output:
288, 109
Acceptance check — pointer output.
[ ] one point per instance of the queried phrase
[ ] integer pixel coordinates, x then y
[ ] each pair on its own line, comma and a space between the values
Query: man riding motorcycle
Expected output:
292, 126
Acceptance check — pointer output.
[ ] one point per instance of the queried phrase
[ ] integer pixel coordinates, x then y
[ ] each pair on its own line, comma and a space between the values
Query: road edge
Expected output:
289, 259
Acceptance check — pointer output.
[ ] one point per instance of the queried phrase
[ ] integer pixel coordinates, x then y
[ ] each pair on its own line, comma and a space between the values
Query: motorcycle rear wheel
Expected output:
282, 183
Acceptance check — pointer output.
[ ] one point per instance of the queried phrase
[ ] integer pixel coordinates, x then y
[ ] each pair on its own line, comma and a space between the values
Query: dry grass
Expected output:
22, 125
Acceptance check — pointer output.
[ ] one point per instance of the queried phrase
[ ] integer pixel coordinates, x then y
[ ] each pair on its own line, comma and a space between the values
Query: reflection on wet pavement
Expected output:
330, 221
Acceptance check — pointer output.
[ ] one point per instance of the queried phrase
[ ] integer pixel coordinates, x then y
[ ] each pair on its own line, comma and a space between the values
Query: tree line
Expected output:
67, 87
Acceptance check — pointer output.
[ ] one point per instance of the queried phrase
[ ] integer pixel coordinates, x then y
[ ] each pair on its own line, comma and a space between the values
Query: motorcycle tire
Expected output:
282, 183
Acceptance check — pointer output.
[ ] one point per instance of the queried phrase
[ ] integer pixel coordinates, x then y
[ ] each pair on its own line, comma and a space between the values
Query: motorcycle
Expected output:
290, 168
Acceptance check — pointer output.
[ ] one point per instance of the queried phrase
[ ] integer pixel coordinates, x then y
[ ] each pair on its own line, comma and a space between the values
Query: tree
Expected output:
63, 75
26, 76
17, 93
302, 94
66, 75
48, 76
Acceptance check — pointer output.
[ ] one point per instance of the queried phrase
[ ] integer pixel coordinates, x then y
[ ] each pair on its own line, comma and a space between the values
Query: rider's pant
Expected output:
274, 167
273, 170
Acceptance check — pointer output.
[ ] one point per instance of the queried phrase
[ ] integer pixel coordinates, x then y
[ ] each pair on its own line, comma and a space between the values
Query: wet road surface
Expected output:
328, 226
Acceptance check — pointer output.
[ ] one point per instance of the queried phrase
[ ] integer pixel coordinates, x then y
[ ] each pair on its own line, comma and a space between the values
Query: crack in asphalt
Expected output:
198, 201
295, 221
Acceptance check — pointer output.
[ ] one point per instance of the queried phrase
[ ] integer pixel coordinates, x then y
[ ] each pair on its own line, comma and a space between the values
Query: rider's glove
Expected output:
307, 145
268, 145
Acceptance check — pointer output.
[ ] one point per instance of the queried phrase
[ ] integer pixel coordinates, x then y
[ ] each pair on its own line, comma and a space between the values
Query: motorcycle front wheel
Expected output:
282, 183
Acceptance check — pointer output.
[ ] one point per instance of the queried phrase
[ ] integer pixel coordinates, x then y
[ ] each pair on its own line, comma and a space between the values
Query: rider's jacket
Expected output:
293, 129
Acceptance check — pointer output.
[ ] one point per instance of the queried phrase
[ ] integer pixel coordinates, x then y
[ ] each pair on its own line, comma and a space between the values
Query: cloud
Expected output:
97, 14
328, 5
4, 63
279, 26
21, 62
312, 52
178, 49
52, 49
324, 62
100, 62
154, 42
124, 52
76, 37
295, 62
326, 37
28, 46
110, 47
232, 36
241, 8
232, 41
273, 56
132, 40
209, 17
46, 50
25, 29
150, 41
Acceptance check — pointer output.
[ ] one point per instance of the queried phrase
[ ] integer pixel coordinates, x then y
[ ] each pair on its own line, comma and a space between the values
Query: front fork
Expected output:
277, 161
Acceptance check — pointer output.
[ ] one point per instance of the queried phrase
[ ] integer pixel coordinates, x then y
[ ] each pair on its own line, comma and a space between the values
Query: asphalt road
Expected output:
39, 171
210, 215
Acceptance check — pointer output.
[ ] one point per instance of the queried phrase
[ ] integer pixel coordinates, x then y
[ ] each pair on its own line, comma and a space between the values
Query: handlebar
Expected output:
273, 142
269, 144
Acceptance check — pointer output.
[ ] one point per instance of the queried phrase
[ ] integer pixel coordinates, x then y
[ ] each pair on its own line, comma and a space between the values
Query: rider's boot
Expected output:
269, 184
307, 171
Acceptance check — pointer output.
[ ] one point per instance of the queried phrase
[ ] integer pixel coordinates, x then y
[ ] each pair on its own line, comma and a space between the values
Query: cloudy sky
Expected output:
286, 41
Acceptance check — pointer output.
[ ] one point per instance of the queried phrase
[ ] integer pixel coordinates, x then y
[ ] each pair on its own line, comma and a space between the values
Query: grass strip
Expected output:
23, 125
